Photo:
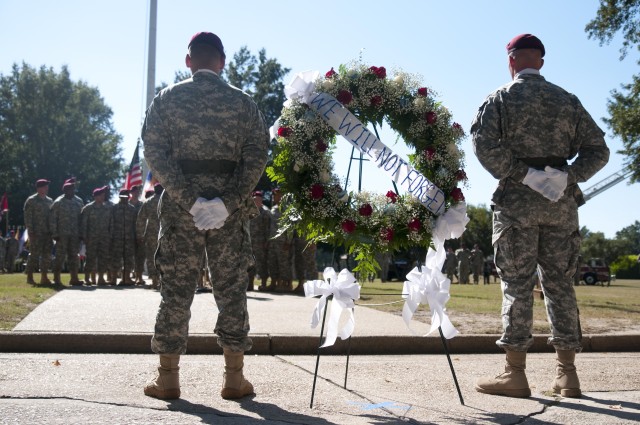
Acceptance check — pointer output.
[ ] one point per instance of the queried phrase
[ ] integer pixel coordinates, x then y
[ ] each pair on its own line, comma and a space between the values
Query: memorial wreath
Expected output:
349, 102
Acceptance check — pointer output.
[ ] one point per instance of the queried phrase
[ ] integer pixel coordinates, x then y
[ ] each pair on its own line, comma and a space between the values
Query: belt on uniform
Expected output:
207, 166
540, 163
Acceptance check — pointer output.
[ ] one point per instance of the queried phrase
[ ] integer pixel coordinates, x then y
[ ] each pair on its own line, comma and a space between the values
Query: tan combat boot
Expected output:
30, 280
56, 278
234, 385
566, 383
166, 386
74, 280
44, 279
512, 383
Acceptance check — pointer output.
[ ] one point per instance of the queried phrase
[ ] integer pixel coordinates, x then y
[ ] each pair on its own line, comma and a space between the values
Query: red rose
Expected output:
457, 194
330, 73
393, 197
365, 210
430, 154
431, 117
423, 91
345, 97
387, 234
321, 146
457, 126
461, 175
379, 72
317, 191
376, 100
284, 132
415, 225
348, 226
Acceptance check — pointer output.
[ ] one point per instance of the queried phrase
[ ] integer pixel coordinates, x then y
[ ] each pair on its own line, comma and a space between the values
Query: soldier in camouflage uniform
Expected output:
523, 134
36, 219
463, 255
3, 252
204, 139
477, 263
147, 228
96, 222
64, 223
11, 252
123, 235
260, 231
279, 251
140, 253
304, 260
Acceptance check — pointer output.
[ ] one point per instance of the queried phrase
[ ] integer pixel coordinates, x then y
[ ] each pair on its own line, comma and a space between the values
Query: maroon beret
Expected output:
42, 182
258, 193
207, 38
525, 41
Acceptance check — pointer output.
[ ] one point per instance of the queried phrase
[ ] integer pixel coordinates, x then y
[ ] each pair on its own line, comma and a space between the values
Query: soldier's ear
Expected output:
187, 60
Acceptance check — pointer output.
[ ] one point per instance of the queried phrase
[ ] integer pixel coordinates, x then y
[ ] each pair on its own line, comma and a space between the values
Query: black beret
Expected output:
207, 38
124, 193
525, 41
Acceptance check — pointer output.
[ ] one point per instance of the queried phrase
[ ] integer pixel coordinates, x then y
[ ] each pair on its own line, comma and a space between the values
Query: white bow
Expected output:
450, 225
302, 86
432, 287
345, 290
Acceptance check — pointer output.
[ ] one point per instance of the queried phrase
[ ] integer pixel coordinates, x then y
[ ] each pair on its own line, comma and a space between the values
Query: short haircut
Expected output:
204, 53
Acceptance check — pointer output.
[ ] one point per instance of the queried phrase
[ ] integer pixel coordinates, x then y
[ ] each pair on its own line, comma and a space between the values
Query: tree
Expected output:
596, 245
479, 229
612, 17
53, 128
630, 235
261, 78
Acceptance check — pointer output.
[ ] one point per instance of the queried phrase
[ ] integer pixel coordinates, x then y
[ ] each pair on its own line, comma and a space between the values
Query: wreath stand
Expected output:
330, 298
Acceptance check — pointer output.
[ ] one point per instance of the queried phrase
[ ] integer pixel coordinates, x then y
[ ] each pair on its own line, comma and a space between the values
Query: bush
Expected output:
626, 267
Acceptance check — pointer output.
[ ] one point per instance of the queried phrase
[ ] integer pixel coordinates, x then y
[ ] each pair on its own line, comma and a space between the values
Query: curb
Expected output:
266, 344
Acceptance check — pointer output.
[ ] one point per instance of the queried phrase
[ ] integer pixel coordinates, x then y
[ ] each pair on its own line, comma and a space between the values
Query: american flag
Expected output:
134, 175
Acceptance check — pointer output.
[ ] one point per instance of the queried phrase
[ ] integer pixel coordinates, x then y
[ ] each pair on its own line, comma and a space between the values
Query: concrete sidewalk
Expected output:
121, 320
45, 379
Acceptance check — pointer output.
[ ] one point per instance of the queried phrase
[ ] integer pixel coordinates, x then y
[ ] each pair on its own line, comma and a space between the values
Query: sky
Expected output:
456, 46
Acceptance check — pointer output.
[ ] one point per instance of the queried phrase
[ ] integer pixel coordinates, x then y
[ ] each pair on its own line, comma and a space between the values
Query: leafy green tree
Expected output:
53, 128
596, 245
479, 229
631, 236
623, 16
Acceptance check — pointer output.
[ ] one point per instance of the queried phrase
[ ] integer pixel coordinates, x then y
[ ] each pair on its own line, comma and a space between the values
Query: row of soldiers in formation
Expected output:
464, 262
278, 256
118, 237
9, 250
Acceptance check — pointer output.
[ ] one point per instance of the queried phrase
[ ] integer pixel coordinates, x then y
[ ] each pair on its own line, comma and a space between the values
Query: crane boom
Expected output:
606, 183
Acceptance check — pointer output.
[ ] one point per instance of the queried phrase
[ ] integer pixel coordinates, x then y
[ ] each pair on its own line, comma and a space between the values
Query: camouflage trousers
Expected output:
122, 252
97, 254
150, 246
553, 251
261, 255
463, 273
140, 255
40, 247
67, 248
179, 256
280, 258
304, 261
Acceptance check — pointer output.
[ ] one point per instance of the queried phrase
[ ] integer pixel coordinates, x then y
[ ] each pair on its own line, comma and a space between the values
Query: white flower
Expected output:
325, 176
328, 84
399, 80
453, 150
419, 102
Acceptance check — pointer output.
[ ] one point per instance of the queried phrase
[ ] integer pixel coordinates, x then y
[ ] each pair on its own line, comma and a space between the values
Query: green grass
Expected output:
618, 302
18, 298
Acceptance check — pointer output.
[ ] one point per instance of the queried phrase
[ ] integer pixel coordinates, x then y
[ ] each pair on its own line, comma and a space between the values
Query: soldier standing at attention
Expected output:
477, 263
139, 248
36, 219
147, 227
11, 251
523, 134
207, 143
260, 228
451, 265
279, 250
65, 230
3, 252
96, 223
123, 223
463, 255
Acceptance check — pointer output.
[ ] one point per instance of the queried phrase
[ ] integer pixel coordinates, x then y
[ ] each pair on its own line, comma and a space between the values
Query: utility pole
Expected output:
151, 54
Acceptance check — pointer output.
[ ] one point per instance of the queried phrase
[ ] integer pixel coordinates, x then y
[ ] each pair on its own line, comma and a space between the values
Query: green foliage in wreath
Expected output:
315, 203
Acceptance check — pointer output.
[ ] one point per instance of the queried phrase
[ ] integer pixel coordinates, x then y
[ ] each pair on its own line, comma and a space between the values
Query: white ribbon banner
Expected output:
345, 290
401, 172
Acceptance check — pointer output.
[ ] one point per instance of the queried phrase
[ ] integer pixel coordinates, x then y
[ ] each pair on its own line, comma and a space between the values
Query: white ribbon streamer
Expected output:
301, 87
345, 290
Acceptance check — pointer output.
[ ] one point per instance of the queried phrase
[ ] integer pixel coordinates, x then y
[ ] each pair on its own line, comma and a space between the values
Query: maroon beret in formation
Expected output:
42, 182
207, 38
258, 193
98, 191
525, 41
